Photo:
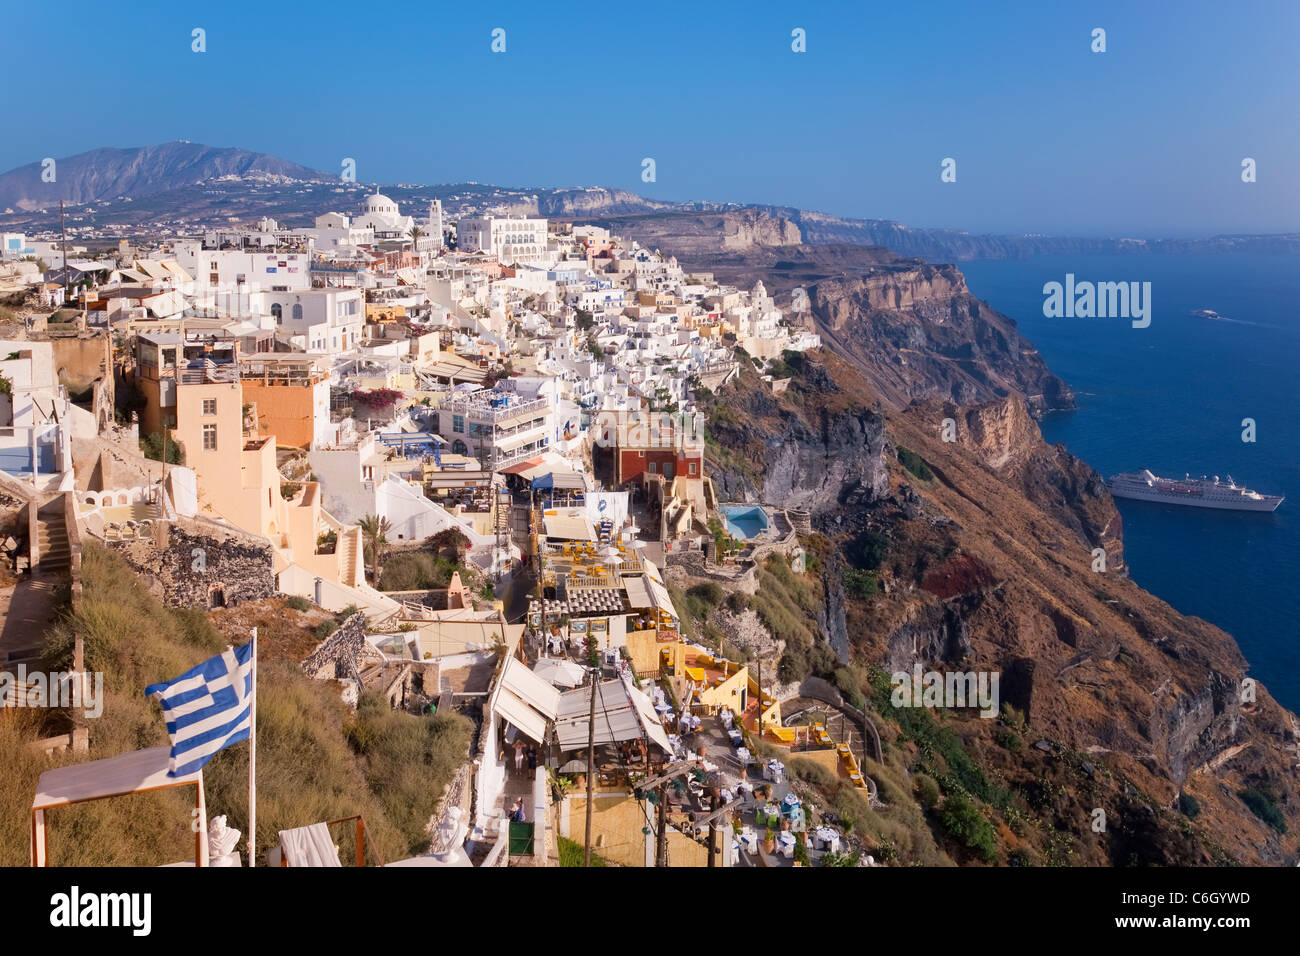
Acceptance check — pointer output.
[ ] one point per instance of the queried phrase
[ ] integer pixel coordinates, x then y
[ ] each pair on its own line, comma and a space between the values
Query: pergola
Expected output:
135, 772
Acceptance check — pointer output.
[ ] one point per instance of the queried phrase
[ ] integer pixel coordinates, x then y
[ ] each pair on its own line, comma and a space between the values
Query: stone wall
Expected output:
193, 564
344, 653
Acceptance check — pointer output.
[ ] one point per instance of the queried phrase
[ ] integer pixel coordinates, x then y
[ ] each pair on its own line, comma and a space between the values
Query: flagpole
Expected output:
252, 762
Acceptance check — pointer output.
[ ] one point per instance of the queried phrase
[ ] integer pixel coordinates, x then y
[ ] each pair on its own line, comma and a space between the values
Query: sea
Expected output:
1172, 397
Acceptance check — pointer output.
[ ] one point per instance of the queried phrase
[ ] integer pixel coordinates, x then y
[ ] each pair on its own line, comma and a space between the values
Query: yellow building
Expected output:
290, 395
239, 480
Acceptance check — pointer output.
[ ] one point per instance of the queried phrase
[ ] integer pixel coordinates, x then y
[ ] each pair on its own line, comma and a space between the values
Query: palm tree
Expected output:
415, 232
374, 530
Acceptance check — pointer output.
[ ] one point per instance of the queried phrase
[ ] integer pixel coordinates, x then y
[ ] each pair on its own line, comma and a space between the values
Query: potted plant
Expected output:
769, 840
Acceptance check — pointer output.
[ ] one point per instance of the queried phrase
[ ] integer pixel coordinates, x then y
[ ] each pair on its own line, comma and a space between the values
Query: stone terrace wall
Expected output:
202, 566
343, 653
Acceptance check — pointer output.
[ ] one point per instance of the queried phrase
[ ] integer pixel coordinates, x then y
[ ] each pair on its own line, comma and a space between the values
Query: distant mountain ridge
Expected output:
108, 173
159, 181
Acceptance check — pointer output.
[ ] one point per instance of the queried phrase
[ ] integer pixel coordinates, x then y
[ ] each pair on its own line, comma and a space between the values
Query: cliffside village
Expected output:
271, 411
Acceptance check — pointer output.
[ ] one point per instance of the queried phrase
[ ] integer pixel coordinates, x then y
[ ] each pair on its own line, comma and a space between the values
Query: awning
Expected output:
165, 304
569, 527
520, 467
638, 593
619, 716
659, 594
528, 721
562, 481
560, 672
536, 691
131, 772
462, 373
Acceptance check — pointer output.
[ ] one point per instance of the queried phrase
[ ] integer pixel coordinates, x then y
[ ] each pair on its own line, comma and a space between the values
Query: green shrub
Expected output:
927, 791
416, 571
297, 602
859, 584
914, 463
810, 771
1008, 739
151, 446
572, 852
325, 628
963, 822
1189, 806
737, 602
1263, 807
710, 592
407, 760
868, 550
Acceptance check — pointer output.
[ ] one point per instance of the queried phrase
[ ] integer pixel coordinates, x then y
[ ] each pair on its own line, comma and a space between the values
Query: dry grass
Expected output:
316, 760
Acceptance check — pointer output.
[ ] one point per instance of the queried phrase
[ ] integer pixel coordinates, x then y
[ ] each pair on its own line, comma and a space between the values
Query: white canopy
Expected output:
622, 713
560, 672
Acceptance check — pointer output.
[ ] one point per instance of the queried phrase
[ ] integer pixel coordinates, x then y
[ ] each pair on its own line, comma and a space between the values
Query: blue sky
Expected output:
1144, 139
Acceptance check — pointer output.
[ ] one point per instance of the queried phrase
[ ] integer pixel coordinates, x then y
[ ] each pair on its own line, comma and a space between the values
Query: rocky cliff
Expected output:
821, 454
987, 562
916, 332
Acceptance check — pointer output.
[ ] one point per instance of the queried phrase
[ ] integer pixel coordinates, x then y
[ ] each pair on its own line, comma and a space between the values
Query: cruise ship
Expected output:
1196, 492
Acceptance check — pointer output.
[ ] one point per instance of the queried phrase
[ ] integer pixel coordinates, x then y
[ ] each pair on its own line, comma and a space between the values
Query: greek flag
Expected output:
206, 708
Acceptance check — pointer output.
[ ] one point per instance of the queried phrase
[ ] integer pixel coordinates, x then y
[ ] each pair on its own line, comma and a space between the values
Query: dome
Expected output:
381, 204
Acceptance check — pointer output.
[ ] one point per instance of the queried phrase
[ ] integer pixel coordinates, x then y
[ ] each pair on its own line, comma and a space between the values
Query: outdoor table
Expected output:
791, 801
742, 754
769, 815
827, 839
736, 737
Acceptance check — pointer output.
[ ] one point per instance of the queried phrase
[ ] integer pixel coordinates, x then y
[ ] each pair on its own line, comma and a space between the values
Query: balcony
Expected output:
208, 374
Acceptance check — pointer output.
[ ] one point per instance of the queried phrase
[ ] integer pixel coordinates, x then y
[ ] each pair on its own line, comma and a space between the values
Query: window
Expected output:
278, 313
693, 467
209, 437
209, 406
297, 310
458, 423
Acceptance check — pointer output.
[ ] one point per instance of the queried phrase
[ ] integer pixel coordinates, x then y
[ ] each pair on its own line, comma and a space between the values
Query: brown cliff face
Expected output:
1005, 439
991, 567
916, 332
1151, 698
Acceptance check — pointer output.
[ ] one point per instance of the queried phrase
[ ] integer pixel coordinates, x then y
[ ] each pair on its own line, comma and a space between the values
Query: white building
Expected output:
330, 320
382, 215
36, 418
510, 240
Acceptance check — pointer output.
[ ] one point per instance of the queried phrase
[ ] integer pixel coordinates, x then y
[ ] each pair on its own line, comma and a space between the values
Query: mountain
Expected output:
141, 171
152, 187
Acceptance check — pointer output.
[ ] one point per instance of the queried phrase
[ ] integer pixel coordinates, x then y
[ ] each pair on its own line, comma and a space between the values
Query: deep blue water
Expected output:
1171, 397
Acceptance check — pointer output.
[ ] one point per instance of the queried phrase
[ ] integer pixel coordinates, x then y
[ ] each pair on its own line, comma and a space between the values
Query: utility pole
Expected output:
661, 840
591, 765
713, 828
63, 232
760, 697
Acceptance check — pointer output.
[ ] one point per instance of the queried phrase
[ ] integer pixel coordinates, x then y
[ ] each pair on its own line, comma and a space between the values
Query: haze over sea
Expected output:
1171, 398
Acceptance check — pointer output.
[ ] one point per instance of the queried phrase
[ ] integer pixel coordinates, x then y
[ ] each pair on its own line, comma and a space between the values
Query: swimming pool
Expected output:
744, 521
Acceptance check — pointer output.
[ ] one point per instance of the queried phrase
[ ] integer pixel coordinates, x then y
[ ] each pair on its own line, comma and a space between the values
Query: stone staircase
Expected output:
54, 556
347, 544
